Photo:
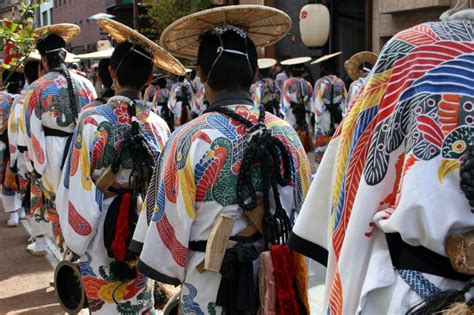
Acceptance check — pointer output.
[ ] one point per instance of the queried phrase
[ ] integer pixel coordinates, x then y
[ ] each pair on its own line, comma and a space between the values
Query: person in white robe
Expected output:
387, 195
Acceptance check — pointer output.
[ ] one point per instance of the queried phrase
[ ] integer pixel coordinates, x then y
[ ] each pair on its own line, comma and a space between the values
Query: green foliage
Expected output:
16, 34
161, 13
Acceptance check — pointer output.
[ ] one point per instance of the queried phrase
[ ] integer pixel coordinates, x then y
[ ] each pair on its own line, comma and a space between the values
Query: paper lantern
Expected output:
315, 23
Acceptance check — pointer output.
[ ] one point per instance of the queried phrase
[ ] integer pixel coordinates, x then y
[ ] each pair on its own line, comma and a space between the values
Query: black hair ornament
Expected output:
270, 155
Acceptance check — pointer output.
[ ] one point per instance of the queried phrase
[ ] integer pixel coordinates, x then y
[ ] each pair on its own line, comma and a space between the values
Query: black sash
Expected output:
49, 132
419, 258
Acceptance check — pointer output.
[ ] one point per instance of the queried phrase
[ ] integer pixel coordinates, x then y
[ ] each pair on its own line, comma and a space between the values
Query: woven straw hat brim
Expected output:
65, 30
264, 25
295, 61
101, 54
326, 57
353, 64
161, 58
70, 58
265, 63
35, 55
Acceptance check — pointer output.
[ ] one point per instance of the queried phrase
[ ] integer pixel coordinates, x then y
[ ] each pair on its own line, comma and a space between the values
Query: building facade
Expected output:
78, 12
356, 25
392, 16
45, 13
9, 9
123, 10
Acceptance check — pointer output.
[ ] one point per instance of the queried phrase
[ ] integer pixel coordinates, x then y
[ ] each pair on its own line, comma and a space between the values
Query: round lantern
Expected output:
315, 23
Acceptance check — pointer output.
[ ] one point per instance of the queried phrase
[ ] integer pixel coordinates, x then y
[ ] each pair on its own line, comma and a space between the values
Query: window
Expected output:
44, 18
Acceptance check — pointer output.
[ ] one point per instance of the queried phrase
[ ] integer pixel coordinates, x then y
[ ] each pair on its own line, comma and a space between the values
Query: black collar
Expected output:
232, 98
132, 95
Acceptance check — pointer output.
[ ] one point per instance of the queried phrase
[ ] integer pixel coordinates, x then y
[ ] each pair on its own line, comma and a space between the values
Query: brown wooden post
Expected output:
270, 51
369, 16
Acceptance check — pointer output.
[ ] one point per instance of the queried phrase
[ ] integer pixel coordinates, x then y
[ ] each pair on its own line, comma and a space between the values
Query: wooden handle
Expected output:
218, 242
106, 179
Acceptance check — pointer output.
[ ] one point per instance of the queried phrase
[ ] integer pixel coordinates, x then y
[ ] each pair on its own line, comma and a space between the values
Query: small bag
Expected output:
460, 251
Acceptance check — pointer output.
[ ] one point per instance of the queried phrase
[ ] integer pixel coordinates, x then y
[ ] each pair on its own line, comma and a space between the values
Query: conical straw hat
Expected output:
70, 57
265, 63
65, 30
326, 57
161, 58
264, 25
101, 54
295, 61
352, 65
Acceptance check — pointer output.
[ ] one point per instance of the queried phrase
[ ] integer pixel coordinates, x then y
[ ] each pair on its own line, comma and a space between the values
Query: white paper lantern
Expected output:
315, 23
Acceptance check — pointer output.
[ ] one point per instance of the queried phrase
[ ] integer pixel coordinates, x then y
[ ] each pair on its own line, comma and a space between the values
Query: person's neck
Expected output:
60, 66
212, 94
132, 94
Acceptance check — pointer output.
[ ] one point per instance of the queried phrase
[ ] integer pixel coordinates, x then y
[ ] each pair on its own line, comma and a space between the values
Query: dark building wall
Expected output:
348, 32
291, 45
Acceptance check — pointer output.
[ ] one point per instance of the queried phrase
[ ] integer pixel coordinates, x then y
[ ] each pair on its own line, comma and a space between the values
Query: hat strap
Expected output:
221, 50
55, 50
232, 51
140, 53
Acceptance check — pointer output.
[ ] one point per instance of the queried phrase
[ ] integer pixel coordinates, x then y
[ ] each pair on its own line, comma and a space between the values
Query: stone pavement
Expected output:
24, 279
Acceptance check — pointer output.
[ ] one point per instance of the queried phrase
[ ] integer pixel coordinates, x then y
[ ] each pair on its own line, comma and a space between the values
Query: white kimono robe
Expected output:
10, 198
298, 91
327, 90
265, 91
82, 207
194, 183
17, 159
181, 94
39, 221
47, 105
393, 167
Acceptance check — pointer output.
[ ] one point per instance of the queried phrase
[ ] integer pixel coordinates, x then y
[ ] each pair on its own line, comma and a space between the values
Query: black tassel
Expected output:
441, 301
122, 271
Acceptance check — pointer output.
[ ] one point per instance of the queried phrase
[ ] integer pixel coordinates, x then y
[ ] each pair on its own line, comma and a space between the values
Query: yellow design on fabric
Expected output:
85, 167
370, 96
446, 167
113, 292
186, 181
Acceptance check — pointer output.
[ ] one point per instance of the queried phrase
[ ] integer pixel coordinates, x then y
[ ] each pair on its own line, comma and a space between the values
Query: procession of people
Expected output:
207, 189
